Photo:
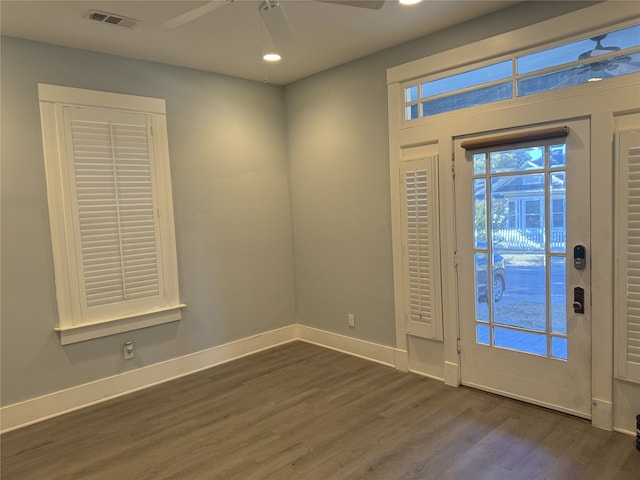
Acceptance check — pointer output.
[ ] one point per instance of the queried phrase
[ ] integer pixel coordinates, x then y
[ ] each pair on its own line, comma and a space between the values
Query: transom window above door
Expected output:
596, 57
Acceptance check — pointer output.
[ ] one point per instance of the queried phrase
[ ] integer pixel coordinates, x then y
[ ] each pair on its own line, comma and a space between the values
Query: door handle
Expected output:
578, 300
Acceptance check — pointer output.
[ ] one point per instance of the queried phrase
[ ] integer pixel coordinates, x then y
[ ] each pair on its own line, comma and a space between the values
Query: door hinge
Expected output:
458, 346
455, 259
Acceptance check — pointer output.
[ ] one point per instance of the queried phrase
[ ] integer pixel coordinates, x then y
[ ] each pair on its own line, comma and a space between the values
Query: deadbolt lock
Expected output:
578, 300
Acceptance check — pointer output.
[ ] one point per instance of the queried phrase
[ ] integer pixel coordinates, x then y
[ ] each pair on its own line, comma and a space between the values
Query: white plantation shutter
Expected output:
628, 278
420, 245
106, 158
113, 179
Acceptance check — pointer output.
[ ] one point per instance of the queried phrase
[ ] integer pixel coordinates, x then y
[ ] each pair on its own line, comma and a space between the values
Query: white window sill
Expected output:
80, 333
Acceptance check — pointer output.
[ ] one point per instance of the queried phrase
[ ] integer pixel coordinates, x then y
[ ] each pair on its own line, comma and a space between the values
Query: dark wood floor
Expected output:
303, 412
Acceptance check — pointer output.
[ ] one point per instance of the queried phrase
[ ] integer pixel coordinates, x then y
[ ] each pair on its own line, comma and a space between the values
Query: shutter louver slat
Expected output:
633, 257
116, 210
419, 252
630, 265
419, 284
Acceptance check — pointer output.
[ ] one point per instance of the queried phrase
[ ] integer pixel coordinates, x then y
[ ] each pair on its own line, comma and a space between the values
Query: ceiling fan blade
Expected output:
276, 22
372, 4
625, 69
194, 13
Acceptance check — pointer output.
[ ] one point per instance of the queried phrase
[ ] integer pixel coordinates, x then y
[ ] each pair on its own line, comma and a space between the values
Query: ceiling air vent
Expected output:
111, 18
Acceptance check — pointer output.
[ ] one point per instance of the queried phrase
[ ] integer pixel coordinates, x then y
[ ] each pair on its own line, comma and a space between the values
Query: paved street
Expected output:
524, 304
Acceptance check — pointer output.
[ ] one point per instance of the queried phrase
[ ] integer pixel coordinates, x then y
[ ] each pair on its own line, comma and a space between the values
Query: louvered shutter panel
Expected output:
628, 314
116, 214
421, 255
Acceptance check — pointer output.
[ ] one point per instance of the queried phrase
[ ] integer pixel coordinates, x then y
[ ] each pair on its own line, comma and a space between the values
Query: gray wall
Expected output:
339, 156
231, 142
227, 142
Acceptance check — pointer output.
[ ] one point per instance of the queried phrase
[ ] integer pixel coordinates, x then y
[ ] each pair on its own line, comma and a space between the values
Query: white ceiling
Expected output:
227, 40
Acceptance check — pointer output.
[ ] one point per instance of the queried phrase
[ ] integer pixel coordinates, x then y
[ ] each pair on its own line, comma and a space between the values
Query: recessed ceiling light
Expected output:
272, 57
409, 2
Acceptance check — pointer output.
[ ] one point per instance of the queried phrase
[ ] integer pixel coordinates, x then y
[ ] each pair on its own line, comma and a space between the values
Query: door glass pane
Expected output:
558, 212
412, 112
479, 163
464, 80
480, 213
483, 335
522, 341
524, 302
590, 72
517, 160
411, 93
471, 98
517, 212
482, 287
519, 244
558, 295
586, 48
559, 348
558, 156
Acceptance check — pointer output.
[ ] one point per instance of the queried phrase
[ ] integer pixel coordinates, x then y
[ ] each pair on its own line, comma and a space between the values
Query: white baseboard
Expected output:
353, 346
626, 432
602, 414
452, 374
57, 403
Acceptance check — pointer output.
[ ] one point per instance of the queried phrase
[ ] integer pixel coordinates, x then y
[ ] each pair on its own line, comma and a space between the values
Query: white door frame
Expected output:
600, 102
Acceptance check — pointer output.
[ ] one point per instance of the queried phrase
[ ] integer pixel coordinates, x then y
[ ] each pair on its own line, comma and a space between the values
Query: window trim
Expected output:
70, 327
469, 57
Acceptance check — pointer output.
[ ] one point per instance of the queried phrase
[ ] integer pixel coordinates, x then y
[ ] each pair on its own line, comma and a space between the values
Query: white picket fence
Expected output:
523, 240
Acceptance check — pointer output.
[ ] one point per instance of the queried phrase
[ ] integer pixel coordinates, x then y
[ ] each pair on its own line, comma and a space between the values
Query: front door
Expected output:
522, 223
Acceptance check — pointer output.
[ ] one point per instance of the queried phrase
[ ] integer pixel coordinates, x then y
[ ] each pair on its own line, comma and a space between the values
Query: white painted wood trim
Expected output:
554, 30
75, 322
402, 360
452, 374
626, 432
82, 332
602, 414
532, 401
394, 98
82, 96
353, 346
58, 403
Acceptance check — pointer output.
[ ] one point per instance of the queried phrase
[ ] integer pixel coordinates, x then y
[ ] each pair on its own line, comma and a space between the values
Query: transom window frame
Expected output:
513, 80
74, 325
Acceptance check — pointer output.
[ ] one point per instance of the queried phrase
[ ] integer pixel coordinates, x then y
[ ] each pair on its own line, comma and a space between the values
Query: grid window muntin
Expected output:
565, 73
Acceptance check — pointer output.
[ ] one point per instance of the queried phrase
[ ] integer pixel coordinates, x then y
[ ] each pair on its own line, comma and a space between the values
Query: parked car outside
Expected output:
499, 277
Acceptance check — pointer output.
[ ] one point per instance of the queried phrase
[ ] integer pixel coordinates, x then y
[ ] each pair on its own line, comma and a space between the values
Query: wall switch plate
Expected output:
351, 318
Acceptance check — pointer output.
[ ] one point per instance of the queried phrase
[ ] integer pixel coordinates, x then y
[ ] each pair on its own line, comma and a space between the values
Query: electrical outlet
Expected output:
351, 318
127, 349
